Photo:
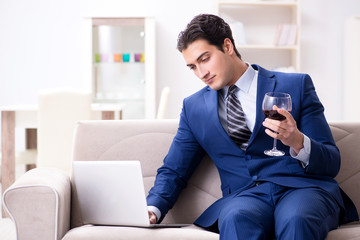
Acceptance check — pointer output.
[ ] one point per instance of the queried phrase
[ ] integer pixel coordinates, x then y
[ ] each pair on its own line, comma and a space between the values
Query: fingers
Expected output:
284, 113
152, 217
285, 130
276, 126
271, 133
279, 129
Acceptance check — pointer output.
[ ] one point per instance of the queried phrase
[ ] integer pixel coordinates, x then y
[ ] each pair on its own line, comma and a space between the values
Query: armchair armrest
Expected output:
39, 204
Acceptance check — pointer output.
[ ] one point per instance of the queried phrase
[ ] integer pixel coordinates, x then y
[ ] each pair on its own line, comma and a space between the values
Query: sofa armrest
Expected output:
39, 204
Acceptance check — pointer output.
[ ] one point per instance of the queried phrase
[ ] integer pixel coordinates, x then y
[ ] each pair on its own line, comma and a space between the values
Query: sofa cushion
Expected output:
91, 232
348, 231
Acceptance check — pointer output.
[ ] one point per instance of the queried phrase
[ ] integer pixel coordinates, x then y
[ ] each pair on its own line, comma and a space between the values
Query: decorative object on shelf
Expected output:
137, 57
104, 57
97, 57
117, 57
142, 57
126, 57
285, 35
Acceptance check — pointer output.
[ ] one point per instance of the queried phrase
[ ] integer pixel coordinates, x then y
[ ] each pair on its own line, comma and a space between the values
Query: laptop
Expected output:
112, 193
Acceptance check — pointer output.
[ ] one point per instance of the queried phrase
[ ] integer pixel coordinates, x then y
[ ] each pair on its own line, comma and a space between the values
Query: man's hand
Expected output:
152, 217
286, 131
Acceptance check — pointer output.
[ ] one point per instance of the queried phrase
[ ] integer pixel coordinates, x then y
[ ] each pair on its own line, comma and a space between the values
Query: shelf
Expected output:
119, 63
260, 21
113, 101
258, 3
267, 47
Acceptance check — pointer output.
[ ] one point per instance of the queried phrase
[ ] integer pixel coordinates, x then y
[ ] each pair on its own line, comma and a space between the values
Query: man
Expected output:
289, 197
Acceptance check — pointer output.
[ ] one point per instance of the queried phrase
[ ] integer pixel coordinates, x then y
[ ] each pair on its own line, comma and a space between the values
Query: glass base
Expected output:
274, 153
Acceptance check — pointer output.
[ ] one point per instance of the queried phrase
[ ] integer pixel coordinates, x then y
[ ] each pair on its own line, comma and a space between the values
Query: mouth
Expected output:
209, 80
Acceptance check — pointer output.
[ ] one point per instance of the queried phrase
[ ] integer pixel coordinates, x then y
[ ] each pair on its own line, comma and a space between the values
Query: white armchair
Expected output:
59, 111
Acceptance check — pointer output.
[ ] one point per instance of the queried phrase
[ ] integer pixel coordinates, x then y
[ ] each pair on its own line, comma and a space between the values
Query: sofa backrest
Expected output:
347, 138
149, 142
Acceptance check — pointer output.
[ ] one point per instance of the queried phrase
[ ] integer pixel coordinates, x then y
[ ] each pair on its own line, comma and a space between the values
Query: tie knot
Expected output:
232, 89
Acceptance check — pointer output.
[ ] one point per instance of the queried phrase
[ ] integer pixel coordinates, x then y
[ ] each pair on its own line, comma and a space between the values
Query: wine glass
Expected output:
281, 100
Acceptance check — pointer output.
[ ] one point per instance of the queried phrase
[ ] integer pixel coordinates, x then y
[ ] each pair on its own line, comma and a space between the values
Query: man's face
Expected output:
211, 65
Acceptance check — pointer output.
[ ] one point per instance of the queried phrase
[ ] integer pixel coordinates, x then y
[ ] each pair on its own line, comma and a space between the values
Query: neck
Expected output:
239, 69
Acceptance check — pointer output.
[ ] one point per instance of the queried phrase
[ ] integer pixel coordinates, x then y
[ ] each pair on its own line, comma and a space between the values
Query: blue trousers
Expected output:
270, 211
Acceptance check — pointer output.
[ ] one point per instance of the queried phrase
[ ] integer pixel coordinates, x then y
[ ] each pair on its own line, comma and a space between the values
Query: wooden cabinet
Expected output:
261, 25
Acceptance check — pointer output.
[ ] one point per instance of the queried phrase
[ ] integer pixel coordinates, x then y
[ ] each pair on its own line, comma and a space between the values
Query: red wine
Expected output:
273, 114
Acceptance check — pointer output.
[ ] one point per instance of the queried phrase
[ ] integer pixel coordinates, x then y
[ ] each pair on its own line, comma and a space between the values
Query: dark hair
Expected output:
207, 27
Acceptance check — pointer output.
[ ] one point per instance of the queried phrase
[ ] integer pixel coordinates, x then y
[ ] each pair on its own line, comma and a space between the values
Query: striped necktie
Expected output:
237, 128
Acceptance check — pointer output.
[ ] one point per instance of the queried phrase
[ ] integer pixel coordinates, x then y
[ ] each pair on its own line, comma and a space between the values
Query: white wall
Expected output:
40, 45
322, 54
351, 62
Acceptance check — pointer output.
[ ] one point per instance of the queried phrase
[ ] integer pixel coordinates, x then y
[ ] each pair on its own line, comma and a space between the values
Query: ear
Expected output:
228, 46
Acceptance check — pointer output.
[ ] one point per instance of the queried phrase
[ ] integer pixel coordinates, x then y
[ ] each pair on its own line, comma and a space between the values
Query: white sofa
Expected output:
43, 204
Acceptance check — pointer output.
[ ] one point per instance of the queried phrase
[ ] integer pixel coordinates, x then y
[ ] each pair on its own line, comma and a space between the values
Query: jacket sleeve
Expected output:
325, 156
183, 157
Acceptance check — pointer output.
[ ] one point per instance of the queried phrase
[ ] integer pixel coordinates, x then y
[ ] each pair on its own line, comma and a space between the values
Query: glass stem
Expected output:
274, 146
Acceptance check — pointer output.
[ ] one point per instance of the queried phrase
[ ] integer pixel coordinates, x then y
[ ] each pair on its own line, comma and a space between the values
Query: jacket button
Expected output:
254, 178
248, 157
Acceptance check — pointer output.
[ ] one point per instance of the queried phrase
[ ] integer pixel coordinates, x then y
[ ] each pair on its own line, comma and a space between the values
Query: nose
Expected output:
203, 73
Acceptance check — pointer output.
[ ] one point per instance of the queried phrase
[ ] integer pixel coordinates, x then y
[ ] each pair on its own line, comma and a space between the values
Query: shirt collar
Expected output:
243, 83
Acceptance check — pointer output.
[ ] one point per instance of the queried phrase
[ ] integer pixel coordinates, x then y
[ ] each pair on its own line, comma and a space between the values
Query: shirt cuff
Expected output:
156, 211
304, 154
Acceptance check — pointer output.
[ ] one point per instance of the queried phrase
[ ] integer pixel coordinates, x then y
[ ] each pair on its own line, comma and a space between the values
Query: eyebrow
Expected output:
197, 60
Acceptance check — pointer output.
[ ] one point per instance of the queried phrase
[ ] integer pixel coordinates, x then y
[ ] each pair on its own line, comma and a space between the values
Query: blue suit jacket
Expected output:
200, 132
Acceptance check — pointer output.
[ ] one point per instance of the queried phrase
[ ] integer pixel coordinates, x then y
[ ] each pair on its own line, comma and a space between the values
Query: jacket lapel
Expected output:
211, 101
266, 83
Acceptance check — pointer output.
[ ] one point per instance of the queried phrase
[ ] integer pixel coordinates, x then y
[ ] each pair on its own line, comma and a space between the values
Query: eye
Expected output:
205, 59
192, 67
